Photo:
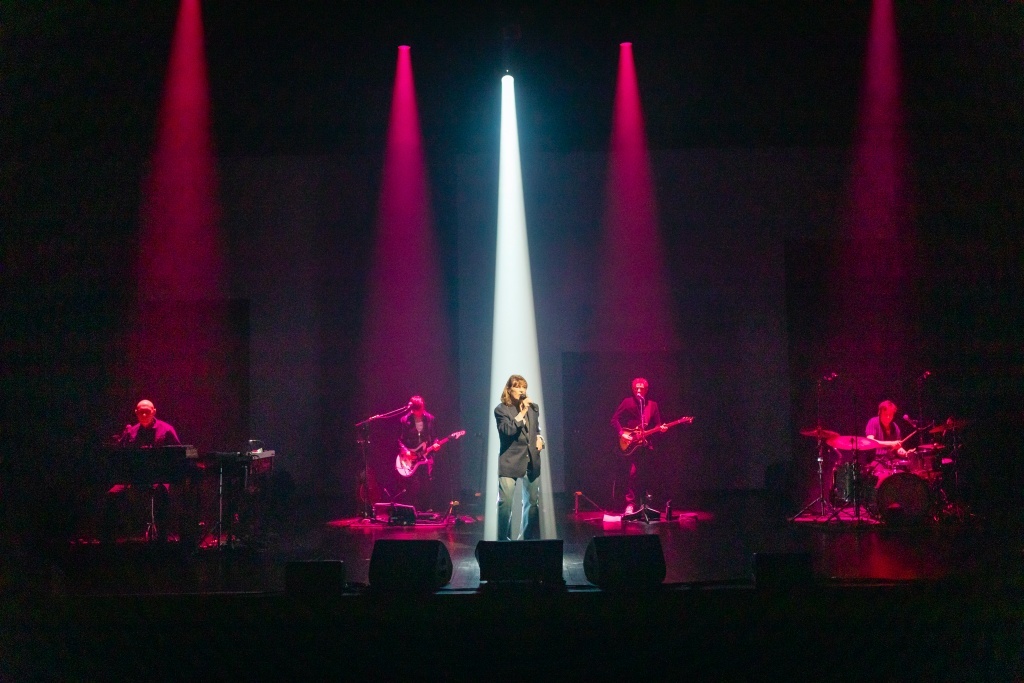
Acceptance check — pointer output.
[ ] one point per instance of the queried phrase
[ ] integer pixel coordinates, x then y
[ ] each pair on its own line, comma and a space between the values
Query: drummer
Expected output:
884, 430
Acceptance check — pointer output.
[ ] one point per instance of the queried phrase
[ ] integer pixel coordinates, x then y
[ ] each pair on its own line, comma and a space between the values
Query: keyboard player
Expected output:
148, 432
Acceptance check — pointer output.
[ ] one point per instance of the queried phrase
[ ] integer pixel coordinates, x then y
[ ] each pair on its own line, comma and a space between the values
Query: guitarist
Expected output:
634, 415
417, 431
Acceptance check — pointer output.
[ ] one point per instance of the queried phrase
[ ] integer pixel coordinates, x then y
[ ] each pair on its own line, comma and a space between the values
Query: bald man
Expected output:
148, 432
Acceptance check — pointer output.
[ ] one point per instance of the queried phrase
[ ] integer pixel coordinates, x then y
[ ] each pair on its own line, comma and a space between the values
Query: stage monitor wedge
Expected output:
409, 566
625, 562
520, 563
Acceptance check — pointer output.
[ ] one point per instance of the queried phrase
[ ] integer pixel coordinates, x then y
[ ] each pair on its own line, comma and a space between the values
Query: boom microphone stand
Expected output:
362, 440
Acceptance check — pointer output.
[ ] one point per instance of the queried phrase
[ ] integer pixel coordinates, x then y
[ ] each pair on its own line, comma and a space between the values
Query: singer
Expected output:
633, 416
520, 443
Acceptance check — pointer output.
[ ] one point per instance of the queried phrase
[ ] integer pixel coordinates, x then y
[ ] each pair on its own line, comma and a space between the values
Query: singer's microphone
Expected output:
908, 420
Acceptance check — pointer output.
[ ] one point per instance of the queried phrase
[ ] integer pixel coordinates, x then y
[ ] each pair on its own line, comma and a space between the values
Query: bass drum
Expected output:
902, 497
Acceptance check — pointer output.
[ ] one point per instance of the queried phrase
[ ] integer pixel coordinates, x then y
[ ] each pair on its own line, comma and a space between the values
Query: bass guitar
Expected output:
632, 439
409, 459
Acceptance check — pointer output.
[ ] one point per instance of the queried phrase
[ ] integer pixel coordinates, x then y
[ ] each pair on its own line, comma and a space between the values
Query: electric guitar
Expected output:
633, 438
408, 459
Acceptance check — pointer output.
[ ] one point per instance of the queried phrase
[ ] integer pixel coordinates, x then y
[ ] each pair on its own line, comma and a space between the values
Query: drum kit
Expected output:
916, 485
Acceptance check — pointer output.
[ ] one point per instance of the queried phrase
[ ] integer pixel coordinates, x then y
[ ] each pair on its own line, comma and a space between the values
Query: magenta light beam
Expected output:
879, 188
405, 341
178, 343
871, 321
180, 251
635, 305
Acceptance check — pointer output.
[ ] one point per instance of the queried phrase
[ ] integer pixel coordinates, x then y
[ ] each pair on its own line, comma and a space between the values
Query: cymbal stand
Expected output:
820, 500
855, 479
959, 508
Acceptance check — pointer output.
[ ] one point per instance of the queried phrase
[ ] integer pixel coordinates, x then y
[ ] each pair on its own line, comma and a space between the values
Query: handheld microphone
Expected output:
907, 419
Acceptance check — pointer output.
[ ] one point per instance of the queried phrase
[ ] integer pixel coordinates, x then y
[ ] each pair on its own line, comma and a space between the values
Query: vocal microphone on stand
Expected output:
916, 424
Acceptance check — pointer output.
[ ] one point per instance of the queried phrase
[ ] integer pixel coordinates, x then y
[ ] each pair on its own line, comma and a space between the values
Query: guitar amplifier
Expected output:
394, 514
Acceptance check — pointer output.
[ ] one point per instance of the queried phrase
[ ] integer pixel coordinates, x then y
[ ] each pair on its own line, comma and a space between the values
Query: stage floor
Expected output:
711, 539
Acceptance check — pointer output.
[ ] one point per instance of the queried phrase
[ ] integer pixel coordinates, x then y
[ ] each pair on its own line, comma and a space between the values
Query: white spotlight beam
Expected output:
514, 340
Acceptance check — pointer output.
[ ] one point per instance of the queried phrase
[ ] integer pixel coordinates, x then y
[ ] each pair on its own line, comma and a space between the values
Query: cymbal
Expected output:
949, 425
852, 443
819, 433
928, 447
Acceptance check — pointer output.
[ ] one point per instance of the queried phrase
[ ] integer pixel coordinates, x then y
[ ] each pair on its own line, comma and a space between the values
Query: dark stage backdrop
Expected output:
724, 217
749, 235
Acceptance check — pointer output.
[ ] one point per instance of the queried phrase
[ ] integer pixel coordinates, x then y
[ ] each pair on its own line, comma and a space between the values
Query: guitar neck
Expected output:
442, 442
681, 420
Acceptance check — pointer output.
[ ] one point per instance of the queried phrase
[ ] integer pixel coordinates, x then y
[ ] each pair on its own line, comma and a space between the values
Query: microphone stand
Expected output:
363, 439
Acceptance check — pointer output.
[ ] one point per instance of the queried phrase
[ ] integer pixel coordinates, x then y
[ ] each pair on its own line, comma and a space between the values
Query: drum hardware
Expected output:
950, 425
822, 435
851, 477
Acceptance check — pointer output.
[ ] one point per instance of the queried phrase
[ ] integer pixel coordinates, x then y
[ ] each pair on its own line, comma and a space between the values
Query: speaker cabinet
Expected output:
321, 577
409, 566
520, 562
625, 562
783, 570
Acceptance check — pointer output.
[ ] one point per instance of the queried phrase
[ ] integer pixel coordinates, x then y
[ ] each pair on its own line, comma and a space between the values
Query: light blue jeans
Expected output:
531, 511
